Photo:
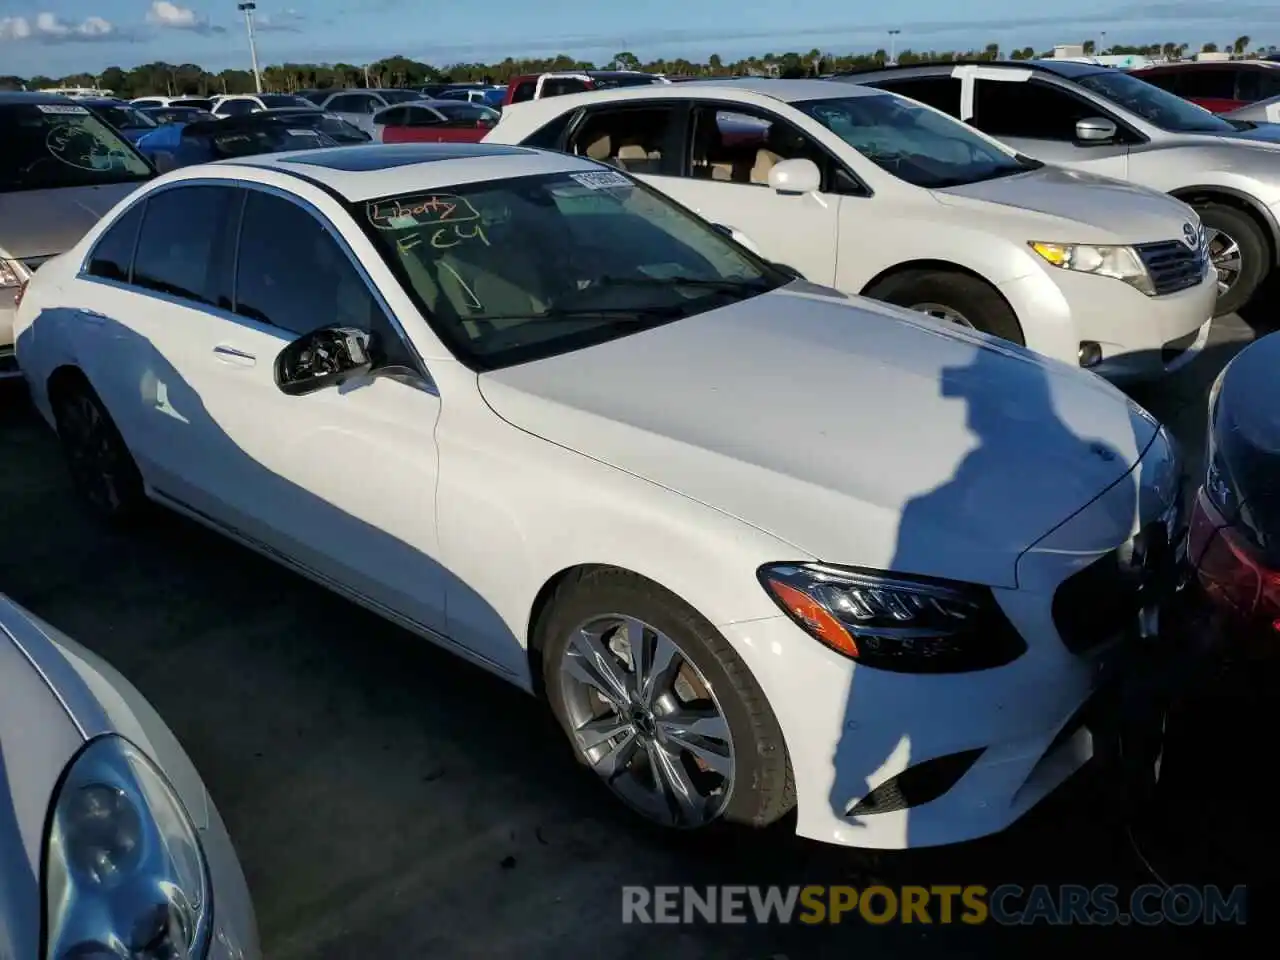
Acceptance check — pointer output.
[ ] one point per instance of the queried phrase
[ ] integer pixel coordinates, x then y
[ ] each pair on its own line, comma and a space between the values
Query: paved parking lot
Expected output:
388, 800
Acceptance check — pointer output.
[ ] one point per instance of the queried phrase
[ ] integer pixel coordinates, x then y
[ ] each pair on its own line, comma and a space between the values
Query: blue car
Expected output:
126, 118
182, 144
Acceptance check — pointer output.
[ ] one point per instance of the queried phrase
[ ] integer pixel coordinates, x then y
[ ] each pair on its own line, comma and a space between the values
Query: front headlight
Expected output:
893, 622
1120, 263
124, 873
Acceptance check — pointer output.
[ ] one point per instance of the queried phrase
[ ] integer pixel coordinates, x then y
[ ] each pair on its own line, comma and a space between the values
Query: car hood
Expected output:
42, 223
859, 433
1098, 209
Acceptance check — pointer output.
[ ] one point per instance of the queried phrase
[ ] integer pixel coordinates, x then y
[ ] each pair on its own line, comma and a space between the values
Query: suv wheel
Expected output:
1238, 249
951, 296
102, 468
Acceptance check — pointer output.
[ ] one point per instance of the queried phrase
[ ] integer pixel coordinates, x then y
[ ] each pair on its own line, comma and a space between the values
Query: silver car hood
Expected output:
42, 223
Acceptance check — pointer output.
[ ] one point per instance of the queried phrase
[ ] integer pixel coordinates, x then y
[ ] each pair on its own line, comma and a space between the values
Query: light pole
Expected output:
1102, 44
247, 9
893, 45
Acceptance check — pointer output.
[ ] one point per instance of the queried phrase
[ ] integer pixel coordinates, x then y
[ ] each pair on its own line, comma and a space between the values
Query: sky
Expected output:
60, 37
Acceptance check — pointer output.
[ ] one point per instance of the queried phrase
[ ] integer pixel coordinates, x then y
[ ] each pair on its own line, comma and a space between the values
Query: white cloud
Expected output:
173, 17
50, 28
286, 21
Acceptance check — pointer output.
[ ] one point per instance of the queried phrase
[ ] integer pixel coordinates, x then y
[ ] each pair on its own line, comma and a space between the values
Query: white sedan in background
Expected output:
105, 826
757, 543
875, 194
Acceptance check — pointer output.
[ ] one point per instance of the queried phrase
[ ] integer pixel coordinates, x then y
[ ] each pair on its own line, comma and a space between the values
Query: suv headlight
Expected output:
893, 622
124, 873
1120, 263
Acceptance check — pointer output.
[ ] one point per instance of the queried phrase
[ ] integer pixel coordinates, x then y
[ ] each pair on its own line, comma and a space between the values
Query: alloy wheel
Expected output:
940, 311
1224, 252
644, 717
93, 453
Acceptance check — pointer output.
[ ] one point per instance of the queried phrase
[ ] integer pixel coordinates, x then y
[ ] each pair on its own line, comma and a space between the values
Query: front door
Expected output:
1039, 120
341, 481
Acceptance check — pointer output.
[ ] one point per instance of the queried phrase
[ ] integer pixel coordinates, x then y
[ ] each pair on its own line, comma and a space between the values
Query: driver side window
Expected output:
1028, 108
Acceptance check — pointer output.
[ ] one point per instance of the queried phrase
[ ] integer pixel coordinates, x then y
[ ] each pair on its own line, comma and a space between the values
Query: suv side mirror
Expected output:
327, 357
1095, 130
799, 175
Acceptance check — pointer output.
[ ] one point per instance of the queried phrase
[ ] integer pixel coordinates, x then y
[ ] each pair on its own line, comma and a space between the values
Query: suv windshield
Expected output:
1166, 110
124, 118
913, 142
514, 270
63, 145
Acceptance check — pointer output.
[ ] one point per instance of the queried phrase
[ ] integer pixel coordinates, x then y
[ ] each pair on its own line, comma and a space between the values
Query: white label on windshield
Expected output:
302, 133
604, 180
60, 108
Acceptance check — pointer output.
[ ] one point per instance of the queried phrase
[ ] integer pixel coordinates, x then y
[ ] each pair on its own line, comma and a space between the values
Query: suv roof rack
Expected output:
1045, 65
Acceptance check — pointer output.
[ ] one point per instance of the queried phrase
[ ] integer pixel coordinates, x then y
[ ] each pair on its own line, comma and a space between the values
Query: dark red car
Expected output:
1217, 86
434, 121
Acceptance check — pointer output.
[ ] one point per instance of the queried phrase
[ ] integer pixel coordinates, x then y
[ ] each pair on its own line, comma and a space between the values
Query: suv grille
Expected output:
1173, 265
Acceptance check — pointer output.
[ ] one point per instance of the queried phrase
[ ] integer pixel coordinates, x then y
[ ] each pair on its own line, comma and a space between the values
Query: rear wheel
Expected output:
952, 297
659, 705
102, 469
1239, 251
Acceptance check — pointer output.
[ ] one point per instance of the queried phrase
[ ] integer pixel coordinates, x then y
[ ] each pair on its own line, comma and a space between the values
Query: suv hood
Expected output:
1095, 209
859, 433
42, 223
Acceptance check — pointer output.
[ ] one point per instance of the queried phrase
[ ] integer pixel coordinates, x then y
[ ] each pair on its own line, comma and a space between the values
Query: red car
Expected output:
1218, 86
434, 121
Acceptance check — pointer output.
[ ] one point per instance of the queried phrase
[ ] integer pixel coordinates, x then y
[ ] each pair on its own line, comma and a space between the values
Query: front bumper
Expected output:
1140, 337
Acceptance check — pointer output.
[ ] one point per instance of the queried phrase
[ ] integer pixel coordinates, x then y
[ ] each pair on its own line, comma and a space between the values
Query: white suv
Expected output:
874, 194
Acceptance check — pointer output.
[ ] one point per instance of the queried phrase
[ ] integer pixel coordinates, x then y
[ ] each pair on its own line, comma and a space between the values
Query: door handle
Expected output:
233, 356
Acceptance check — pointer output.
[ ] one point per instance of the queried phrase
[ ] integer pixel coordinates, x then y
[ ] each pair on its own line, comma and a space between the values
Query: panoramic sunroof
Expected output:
385, 156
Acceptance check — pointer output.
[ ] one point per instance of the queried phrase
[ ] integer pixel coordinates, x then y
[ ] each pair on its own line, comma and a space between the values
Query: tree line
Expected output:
400, 71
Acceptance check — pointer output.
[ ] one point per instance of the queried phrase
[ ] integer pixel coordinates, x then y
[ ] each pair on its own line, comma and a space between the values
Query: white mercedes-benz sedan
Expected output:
110, 845
758, 544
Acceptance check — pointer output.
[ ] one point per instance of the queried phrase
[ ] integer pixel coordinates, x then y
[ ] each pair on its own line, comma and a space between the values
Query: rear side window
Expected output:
1206, 83
524, 90
1011, 108
1261, 84
941, 93
236, 108
559, 86
550, 136
292, 273
113, 253
178, 251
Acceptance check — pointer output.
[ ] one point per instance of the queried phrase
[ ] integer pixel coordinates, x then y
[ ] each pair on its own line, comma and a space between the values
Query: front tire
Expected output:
102, 469
953, 297
659, 705
1240, 254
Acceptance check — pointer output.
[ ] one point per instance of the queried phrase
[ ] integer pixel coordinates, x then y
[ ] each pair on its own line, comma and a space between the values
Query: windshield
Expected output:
514, 270
336, 127
1160, 107
399, 96
63, 145
273, 138
270, 100
124, 118
913, 142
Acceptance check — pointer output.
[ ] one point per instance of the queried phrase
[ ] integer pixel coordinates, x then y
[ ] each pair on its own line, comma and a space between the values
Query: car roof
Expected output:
786, 91
1067, 69
18, 97
378, 170
1204, 64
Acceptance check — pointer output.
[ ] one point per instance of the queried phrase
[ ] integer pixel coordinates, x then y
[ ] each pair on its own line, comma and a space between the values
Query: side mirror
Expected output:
795, 176
323, 358
1095, 130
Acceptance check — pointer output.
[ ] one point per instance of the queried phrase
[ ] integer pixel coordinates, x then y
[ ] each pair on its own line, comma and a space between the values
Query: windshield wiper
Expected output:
614, 314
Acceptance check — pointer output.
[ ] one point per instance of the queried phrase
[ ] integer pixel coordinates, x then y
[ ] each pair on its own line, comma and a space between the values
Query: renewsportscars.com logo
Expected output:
1008, 905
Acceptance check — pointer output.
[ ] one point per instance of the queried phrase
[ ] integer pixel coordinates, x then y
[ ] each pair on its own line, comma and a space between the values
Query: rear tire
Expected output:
742, 735
102, 469
951, 295
1240, 252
